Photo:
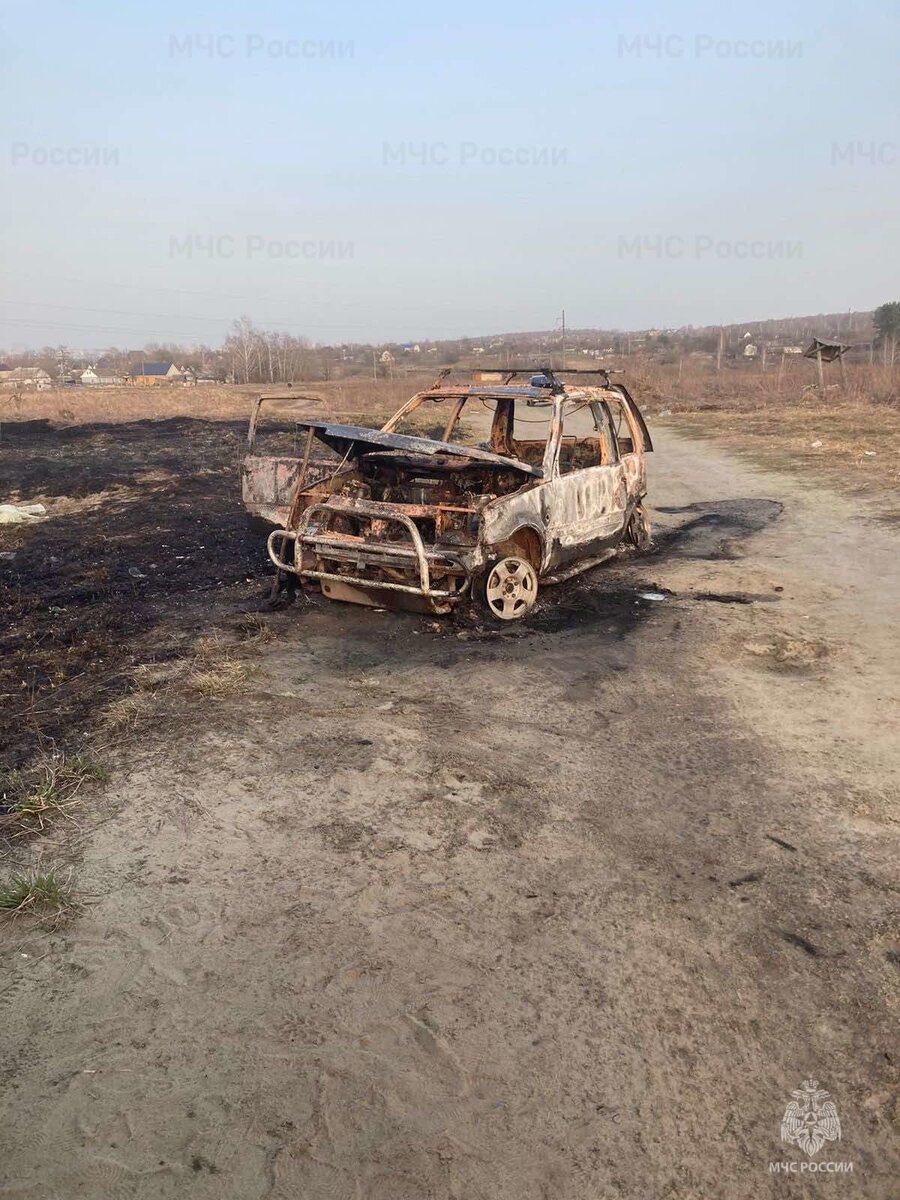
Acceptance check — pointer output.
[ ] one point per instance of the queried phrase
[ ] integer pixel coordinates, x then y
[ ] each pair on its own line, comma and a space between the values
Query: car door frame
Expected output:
584, 511
633, 460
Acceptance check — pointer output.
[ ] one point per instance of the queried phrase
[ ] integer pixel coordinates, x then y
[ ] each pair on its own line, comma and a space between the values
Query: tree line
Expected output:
253, 355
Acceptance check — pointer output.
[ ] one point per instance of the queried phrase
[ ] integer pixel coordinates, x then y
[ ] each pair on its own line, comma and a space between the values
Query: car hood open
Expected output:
349, 439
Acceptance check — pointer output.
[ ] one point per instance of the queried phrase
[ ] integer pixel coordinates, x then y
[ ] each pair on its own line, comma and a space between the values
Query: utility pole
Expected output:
563, 339
719, 354
374, 367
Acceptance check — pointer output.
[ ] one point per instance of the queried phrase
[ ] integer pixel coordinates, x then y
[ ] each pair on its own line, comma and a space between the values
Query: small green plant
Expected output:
79, 768
35, 891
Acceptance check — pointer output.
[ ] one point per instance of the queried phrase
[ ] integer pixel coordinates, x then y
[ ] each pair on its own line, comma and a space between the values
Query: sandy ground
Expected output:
565, 910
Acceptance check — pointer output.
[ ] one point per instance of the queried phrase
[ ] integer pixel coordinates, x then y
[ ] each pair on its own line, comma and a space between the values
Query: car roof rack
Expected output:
552, 374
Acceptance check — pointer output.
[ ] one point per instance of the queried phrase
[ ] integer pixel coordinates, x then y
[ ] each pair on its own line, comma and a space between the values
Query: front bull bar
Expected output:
418, 553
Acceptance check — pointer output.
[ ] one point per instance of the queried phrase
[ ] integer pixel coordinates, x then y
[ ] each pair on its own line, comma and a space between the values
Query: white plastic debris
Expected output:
653, 595
18, 514
816, 444
869, 453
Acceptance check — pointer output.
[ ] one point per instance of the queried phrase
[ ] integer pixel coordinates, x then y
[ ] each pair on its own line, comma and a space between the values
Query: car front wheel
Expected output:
510, 588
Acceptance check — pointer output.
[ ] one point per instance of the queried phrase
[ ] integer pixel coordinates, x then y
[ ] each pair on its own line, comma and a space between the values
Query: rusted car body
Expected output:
398, 519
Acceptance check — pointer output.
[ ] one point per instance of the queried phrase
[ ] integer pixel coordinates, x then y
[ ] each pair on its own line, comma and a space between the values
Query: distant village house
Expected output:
24, 377
145, 373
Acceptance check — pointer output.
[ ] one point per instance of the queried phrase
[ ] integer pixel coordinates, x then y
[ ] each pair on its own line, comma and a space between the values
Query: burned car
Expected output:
423, 514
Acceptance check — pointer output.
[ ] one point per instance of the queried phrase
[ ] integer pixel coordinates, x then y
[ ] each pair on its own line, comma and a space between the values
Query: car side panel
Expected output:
505, 516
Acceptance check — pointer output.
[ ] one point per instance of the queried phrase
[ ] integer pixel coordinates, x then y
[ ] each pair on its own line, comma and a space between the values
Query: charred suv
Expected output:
394, 518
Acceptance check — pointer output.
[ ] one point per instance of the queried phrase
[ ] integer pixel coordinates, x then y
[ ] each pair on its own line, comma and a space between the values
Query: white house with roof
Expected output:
25, 377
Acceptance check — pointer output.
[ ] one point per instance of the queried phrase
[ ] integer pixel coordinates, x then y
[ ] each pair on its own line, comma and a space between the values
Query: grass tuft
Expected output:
213, 671
211, 648
253, 630
129, 711
50, 789
36, 891
223, 678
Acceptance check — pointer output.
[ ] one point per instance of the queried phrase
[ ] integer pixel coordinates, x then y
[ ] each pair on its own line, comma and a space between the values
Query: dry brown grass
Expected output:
849, 440
776, 415
225, 402
211, 648
130, 711
696, 386
211, 669
214, 672
252, 630
222, 678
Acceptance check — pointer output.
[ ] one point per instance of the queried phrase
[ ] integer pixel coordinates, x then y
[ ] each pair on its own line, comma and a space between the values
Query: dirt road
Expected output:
559, 911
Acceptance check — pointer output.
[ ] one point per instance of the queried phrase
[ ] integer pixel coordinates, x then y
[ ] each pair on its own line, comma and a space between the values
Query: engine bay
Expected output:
430, 480
442, 494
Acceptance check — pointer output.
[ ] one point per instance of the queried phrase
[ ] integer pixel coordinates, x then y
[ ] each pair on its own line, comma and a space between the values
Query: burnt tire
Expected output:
638, 533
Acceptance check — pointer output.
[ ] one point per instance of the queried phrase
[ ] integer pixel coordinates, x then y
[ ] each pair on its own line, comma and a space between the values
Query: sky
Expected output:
360, 172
